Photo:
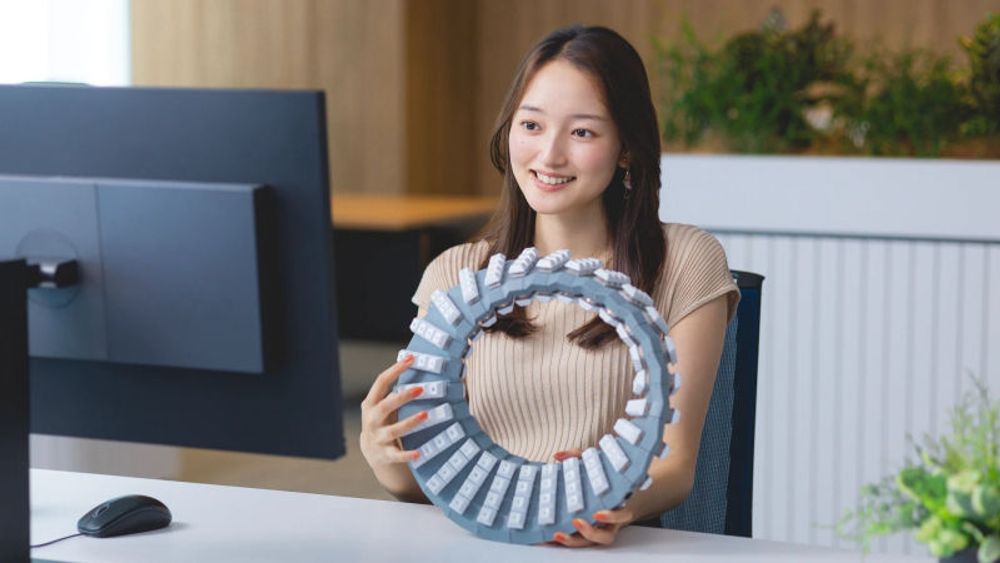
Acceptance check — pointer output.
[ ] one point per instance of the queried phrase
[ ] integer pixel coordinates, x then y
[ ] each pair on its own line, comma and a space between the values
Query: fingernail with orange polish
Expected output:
408, 358
600, 516
416, 391
578, 524
422, 415
559, 536
415, 455
559, 456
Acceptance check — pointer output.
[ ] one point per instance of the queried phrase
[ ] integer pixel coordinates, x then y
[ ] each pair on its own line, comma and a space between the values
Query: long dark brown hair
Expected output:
638, 246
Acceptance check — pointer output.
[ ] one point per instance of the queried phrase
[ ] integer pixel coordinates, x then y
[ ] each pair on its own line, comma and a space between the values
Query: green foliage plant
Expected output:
902, 104
754, 91
949, 496
775, 90
983, 52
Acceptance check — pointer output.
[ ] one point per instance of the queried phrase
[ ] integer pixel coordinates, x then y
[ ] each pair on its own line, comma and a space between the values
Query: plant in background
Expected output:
949, 496
755, 91
983, 52
906, 103
804, 90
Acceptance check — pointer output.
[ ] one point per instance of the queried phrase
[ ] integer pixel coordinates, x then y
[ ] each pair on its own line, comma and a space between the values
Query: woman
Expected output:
578, 147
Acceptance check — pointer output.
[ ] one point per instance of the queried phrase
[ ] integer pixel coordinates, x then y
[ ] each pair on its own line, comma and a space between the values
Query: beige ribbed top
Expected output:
541, 394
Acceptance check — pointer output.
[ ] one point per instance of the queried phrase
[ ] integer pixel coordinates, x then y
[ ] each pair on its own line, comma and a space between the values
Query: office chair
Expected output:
720, 501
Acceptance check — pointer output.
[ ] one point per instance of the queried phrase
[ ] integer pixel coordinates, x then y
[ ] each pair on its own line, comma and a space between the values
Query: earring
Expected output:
627, 180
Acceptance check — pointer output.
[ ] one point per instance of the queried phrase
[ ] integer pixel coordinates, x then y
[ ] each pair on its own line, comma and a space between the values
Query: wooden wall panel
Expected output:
441, 67
414, 86
351, 49
507, 30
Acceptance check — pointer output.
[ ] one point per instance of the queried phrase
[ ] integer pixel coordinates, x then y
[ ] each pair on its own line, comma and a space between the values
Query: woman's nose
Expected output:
553, 151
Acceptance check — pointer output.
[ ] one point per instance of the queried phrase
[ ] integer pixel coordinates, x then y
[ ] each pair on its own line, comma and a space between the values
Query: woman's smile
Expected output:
550, 182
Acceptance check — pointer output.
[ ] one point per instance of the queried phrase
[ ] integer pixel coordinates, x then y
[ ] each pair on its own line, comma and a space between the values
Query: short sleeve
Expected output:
697, 273
442, 272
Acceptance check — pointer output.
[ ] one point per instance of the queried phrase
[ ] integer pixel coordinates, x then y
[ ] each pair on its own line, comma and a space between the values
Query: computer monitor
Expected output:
201, 220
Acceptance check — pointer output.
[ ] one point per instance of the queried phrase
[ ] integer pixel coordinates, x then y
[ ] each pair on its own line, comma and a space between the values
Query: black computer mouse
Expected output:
124, 515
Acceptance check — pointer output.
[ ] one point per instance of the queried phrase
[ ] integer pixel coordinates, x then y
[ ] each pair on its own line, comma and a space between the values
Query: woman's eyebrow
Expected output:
595, 117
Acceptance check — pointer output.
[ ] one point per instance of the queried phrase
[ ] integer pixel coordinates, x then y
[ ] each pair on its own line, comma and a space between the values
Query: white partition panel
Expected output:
881, 297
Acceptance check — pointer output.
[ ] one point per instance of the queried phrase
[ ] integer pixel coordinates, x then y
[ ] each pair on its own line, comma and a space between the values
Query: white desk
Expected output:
215, 523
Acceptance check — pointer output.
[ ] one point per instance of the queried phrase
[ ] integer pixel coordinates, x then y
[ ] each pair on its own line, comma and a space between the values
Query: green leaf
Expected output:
986, 501
989, 550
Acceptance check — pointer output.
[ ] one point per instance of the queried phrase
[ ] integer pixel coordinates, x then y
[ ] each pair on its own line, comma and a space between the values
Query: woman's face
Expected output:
564, 146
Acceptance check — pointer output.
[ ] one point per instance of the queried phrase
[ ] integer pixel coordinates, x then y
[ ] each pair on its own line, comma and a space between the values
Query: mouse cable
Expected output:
55, 540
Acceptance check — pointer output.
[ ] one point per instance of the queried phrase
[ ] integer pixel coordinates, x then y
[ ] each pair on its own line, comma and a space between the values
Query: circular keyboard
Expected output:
477, 483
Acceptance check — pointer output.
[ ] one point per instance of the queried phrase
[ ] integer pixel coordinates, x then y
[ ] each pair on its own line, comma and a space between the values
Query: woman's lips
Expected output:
546, 187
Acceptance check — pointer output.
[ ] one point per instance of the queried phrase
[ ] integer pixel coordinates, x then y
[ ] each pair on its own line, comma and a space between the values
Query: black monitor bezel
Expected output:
274, 138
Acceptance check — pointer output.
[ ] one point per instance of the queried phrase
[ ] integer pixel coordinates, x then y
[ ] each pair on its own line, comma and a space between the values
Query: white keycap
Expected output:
595, 471
522, 496
423, 362
629, 431
487, 461
430, 333
470, 291
607, 317
636, 356
523, 301
586, 305
637, 407
645, 485
507, 469
432, 389
571, 477
677, 383
676, 417
547, 513
664, 451
583, 266
459, 503
653, 316
492, 500
554, 261
506, 310
490, 321
524, 262
445, 305
515, 520
435, 484
543, 297
499, 484
437, 415
458, 461
636, 295
616, 456
611, 278
671, 349
468, 489
470, 448
478, 475
640, 383
455, 432
494, 270
486, 516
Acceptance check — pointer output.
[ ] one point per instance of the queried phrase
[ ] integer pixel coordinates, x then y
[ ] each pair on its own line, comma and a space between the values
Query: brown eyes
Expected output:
534, 126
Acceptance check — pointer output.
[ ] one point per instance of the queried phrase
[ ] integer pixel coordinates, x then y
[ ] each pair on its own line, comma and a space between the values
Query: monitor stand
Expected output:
15, 515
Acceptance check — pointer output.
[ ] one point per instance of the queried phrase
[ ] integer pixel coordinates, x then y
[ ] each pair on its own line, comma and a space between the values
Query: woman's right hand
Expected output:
380, 431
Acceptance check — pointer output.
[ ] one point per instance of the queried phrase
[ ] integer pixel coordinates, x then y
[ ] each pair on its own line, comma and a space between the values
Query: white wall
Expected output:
882, 292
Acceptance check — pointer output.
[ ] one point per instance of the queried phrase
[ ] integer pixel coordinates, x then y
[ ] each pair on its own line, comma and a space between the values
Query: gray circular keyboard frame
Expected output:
480, 485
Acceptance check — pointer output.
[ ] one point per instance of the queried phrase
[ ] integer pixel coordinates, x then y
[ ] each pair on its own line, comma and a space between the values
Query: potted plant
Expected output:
949, 495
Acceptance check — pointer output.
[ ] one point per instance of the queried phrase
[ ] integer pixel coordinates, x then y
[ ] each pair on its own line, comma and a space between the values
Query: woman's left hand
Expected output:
609, 522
